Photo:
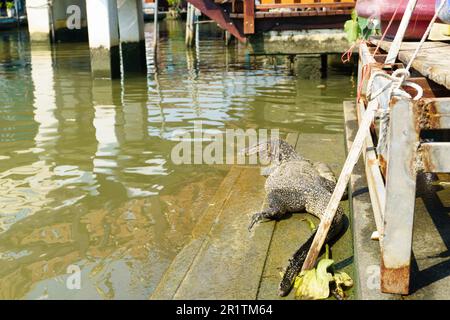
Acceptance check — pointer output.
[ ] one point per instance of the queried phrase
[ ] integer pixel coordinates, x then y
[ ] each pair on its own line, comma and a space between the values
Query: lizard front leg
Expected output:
276, 210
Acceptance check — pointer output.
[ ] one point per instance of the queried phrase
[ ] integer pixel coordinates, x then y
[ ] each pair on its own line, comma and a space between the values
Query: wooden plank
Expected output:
400, 34
341, 185
305, 6
400, 200
249, 16
431, 62
377, 189
293, 14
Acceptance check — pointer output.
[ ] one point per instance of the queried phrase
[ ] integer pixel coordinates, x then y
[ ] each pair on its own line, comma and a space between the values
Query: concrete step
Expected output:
290, 233
223, 258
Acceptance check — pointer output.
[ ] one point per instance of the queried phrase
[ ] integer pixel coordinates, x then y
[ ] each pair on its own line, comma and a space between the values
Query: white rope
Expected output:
396, 81
426, 34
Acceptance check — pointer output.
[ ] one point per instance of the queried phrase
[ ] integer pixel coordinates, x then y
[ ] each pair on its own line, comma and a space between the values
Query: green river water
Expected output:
86, 177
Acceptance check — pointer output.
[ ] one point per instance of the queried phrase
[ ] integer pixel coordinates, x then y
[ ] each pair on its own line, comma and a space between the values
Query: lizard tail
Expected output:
296, 262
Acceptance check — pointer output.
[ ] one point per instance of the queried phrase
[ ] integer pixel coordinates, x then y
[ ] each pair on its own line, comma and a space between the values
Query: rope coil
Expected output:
397, 80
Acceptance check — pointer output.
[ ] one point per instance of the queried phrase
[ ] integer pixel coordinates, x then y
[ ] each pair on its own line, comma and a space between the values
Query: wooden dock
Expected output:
243, 18
225, 261
432, 61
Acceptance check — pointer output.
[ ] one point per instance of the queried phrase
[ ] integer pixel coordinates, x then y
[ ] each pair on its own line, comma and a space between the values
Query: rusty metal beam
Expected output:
400, 198
220, 16
434, 156
432, 114
403, 159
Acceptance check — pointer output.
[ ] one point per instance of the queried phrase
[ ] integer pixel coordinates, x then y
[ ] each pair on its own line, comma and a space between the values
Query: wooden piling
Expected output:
324, 65
155, 28
228, 38
190, 25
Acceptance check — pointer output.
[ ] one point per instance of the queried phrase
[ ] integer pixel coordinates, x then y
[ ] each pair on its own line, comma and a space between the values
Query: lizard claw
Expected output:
255, 219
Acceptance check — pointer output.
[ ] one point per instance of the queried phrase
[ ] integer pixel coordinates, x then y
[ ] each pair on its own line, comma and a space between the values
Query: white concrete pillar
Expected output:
60, 21
103, 28
38, 14
132, 37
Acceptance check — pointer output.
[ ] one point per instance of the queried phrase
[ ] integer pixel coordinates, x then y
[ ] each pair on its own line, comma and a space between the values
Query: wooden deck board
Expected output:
432, 61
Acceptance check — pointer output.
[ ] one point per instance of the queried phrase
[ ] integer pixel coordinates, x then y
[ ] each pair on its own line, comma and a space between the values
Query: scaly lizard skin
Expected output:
295, 184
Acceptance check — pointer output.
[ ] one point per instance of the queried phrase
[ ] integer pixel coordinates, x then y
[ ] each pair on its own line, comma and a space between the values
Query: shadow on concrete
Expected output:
439, 213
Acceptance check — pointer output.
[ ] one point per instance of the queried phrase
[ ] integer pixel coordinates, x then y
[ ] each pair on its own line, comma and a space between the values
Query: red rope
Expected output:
347, 55
388, 27
364, 74
365, 68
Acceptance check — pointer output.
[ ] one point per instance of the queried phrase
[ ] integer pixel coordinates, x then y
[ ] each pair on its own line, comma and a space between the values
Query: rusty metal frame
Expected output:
392, 176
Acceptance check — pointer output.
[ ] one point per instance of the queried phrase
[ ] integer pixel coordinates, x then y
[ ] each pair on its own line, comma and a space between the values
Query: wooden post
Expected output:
197, 14
16, 6
249, 16
228, 38
400, 199
190, 25
155, 28
341, 185
324, 65
396, 44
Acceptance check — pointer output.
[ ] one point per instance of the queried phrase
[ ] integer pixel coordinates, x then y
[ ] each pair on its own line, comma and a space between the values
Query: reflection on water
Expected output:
85, 172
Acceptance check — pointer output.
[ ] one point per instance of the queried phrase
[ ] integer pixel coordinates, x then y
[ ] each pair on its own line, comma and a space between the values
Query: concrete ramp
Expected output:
225, 261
